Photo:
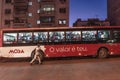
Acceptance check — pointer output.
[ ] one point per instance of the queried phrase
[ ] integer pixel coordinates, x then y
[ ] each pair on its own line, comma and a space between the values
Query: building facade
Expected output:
91, 22
34, 13
113, 10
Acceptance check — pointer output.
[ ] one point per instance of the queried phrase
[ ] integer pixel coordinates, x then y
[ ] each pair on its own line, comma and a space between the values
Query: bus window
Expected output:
25, 37
73, 36
116, 34
58, 36
89, 35
40, 37
9, 38
103, 34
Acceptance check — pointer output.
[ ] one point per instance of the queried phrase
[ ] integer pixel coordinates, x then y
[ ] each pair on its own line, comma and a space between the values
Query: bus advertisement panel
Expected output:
61, 42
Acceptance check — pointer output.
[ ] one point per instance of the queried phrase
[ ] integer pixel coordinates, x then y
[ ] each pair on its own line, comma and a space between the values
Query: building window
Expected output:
62, 10
8, 1
29, 25
25, 37
9, 38
62, 22
38, 21
47, 19
62, 1
38, 11
73, 36
7, 11
103, 34
116, 34
30, 3
57, 36
38, 0
48, 8
30, 14
89, 35
40, 37
18, 20
7, 22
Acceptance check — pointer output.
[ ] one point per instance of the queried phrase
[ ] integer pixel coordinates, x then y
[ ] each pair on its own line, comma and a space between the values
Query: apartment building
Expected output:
91, 22
113, 10
34, 13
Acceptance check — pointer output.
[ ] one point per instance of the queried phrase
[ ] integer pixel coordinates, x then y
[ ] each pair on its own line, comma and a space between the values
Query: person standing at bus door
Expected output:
36, 55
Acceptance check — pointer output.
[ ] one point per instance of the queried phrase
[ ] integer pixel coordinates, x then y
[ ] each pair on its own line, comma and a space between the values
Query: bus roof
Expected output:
61, 28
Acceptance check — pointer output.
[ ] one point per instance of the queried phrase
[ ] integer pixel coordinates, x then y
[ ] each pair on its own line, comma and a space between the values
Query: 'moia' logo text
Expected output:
15, 51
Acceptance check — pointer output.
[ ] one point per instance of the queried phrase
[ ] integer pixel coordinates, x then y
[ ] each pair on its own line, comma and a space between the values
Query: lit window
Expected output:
30, 14
10, 38
25, 37
62, 22
73, 35
38, 21
38, 0
38, 11
47, 19
52, 9
57, 36
30, 3
48, 8
89, 35
40, 37
103, 34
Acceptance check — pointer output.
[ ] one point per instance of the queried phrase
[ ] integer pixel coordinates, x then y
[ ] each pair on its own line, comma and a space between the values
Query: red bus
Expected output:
100, 41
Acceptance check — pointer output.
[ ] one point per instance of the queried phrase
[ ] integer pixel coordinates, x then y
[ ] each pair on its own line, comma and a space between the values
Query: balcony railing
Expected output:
47, 0
19, 24
20, 1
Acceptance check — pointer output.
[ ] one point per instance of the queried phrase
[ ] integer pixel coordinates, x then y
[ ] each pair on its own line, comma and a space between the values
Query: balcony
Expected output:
19, 24
20, 1
49, 13
21, 8
47, 0
20, 15
46, 24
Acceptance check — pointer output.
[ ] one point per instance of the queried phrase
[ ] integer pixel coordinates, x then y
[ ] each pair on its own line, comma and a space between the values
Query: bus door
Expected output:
111, 38
113, 46
116, 41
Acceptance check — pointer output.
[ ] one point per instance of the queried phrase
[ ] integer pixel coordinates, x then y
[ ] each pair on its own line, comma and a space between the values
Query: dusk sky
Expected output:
85, 9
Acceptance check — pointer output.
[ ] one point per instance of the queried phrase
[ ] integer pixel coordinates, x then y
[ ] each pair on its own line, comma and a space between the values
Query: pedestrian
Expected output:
36, 55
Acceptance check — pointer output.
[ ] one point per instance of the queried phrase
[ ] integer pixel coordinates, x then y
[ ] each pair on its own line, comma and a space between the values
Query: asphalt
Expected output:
62, 69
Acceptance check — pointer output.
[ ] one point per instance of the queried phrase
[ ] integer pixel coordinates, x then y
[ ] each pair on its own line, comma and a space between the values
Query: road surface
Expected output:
64, 69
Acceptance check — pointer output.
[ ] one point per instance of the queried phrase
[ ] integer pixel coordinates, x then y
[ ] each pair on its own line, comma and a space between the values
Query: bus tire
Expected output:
103, 53
42, 55
32, 54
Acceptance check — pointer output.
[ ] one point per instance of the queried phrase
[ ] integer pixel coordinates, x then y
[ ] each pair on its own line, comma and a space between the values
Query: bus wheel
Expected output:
103, 53
42, 55
32, 54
